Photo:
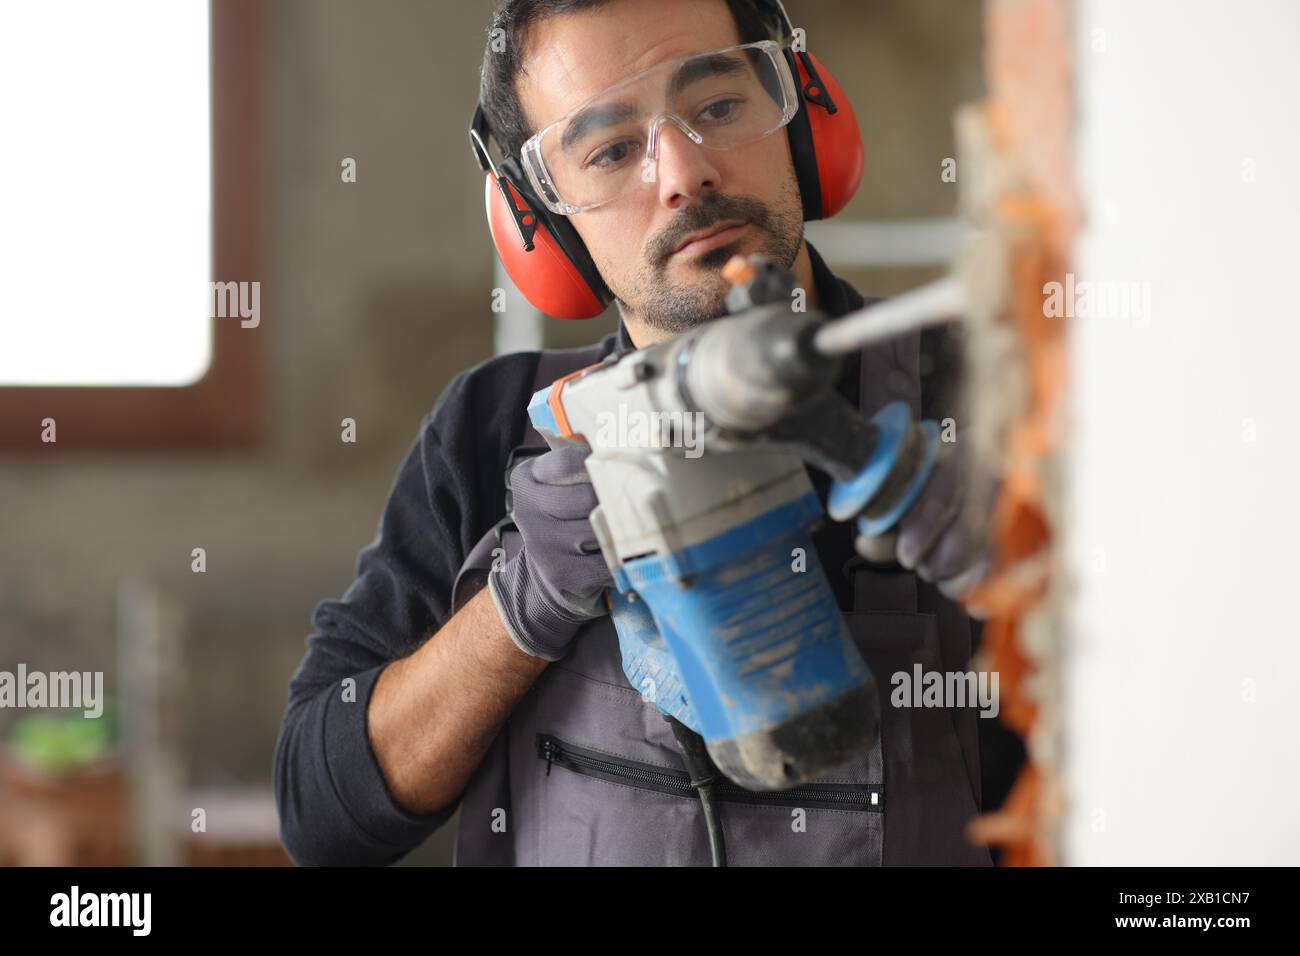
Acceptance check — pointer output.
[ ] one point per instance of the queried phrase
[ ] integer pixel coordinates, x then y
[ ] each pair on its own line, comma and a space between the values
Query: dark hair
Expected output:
497, 91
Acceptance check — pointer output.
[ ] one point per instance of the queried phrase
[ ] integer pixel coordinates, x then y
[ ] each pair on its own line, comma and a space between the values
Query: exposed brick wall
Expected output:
1030, 203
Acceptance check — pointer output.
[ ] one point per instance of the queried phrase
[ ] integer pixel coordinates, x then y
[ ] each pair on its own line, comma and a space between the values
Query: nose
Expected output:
683, 171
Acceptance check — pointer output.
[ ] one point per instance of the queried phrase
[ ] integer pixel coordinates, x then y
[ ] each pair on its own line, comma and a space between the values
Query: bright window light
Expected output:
105, 208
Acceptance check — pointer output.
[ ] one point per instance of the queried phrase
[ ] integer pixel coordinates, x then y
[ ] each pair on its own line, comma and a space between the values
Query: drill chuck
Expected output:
750, 372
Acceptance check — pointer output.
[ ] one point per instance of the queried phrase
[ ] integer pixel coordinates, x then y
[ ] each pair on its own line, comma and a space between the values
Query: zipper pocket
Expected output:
865, 797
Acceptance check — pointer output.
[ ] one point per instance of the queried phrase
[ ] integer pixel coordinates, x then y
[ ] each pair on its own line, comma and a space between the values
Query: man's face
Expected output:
635, 239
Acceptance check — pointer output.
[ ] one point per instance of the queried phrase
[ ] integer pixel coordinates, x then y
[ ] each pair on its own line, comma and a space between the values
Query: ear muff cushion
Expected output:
546, 276
837, 156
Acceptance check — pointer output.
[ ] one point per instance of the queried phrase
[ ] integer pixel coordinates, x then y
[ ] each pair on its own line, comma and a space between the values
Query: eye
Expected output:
722, 111
612, 156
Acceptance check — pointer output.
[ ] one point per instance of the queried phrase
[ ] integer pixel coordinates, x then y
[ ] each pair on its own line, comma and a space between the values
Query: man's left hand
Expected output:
943, 536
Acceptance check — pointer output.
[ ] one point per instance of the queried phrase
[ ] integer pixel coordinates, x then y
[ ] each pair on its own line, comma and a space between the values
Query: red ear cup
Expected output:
836, 140
545, 275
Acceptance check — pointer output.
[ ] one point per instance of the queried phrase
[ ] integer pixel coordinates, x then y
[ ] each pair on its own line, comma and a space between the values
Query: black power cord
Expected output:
703, 773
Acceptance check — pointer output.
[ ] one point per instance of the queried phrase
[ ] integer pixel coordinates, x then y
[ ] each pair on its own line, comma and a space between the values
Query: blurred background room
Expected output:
178, 488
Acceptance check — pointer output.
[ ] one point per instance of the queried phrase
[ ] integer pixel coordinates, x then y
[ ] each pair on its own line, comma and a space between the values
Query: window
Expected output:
129, 157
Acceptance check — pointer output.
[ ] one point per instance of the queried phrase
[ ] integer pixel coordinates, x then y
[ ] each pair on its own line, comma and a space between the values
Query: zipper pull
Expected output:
552, 750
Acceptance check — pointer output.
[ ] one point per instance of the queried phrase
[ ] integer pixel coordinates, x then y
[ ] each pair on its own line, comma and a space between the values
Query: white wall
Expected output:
1185, 672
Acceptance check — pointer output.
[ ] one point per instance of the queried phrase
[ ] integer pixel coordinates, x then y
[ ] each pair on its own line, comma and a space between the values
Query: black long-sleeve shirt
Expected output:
334, 805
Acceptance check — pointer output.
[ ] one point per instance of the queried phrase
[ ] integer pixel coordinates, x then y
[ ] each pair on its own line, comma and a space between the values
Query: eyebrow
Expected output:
592, 118
606, 114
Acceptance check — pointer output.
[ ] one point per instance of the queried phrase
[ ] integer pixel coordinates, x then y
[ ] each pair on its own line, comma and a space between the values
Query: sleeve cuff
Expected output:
357, 778
519, 640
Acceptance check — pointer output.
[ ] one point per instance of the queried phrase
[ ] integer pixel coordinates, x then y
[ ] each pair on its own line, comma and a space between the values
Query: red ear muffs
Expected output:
826, 146
536, 259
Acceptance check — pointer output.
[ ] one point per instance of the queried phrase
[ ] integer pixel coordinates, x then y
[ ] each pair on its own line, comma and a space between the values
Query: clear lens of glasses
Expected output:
721, 99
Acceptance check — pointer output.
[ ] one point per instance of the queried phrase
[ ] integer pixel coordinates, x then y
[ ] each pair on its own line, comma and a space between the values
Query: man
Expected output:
423, 690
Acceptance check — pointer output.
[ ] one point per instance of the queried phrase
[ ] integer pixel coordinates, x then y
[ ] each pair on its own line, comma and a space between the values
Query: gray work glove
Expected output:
944, 535
556, 582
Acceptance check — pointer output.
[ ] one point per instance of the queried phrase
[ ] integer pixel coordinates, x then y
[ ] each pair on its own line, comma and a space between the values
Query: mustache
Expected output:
713, 209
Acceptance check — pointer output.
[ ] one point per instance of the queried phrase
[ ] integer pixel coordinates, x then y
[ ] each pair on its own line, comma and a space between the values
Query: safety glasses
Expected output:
609, 145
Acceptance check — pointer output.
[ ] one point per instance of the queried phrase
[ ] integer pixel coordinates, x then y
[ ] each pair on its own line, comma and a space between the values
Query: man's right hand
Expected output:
555, 584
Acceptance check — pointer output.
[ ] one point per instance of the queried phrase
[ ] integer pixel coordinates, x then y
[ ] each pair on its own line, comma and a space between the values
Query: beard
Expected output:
673, 307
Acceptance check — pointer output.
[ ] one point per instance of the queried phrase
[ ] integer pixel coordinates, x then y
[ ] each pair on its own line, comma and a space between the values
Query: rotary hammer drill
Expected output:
724, 616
